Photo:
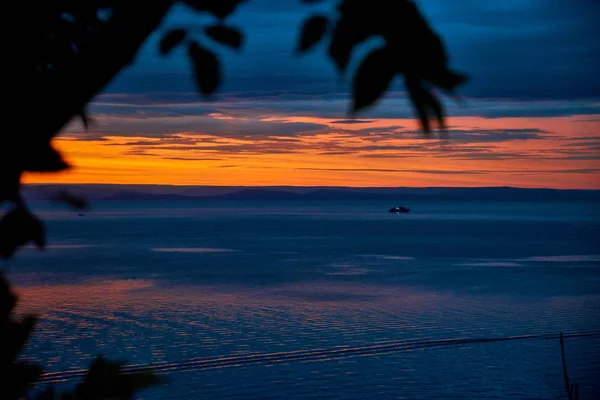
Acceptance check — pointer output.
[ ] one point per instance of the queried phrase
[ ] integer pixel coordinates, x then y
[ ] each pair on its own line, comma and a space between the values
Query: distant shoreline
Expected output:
295, 193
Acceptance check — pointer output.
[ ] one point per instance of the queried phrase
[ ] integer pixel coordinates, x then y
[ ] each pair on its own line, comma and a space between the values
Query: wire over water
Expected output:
200, 364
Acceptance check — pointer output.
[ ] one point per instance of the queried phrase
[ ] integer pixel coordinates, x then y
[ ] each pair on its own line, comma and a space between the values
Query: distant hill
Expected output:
392, 195
140, 196
244, 194
397, 195
256, 194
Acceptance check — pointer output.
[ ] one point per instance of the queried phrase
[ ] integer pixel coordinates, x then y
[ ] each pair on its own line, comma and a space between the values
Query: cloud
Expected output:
586, 143
526, 49
395, 171
495, 135
192, 159
453, 135
329, 102
224, 133
461, 172
352, 121
457, 144
167, 140
170, 126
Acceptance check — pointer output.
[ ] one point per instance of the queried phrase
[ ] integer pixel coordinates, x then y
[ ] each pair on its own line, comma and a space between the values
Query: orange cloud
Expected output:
526, 152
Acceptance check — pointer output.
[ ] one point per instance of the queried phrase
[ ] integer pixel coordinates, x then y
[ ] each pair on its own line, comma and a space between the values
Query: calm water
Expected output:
322, 300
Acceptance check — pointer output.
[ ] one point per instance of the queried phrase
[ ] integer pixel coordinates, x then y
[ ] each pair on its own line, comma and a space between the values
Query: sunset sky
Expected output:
529, 117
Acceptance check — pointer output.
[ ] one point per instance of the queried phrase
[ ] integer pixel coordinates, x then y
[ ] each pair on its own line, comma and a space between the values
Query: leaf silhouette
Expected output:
17, 228
418, 96
436, 107
10, 178
206, 68
312, 32
105, 380
355, 25
372, 79
42, 157
170, 40
19, 335
84, 119
225, 35
21, 377
74, 201
16, 376
447, 79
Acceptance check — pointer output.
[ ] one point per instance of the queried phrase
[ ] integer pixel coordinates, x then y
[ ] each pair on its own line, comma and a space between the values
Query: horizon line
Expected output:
304, 187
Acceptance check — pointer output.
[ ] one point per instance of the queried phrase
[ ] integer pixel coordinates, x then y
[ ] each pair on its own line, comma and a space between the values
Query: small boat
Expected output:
399, 209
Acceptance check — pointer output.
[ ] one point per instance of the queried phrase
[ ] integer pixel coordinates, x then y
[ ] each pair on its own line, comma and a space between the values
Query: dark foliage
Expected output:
72, 200
412, 50
313, 31
18, 228
16, 376
206, 68
373, 78
225, 35
171, 40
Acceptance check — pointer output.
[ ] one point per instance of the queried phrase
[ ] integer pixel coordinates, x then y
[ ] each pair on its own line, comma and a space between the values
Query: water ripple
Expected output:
310, 355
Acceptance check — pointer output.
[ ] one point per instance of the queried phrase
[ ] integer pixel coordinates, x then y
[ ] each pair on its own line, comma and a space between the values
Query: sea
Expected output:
328, 300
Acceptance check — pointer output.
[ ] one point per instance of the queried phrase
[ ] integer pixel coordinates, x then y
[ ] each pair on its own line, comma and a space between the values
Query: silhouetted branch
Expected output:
572, 389
99, 61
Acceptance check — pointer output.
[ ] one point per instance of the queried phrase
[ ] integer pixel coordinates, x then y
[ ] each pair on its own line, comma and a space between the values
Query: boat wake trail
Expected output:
200, 364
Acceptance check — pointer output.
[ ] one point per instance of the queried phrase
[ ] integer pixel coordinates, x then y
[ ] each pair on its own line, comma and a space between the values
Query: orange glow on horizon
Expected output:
388, 160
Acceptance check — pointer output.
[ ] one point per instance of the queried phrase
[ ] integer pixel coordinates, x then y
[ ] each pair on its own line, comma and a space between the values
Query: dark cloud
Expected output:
87, 137
581, 171
461, 152
336, 153
140, 152
479, 144
585, 143
494, 135
256, 148
454, 136
513, 49
394, 171
462, 172
352, 121
192, 159
568, 153
325, 104
167, 127
168, 140
529, 49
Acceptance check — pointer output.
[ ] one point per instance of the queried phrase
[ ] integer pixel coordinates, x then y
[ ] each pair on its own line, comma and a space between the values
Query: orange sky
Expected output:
336, 157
